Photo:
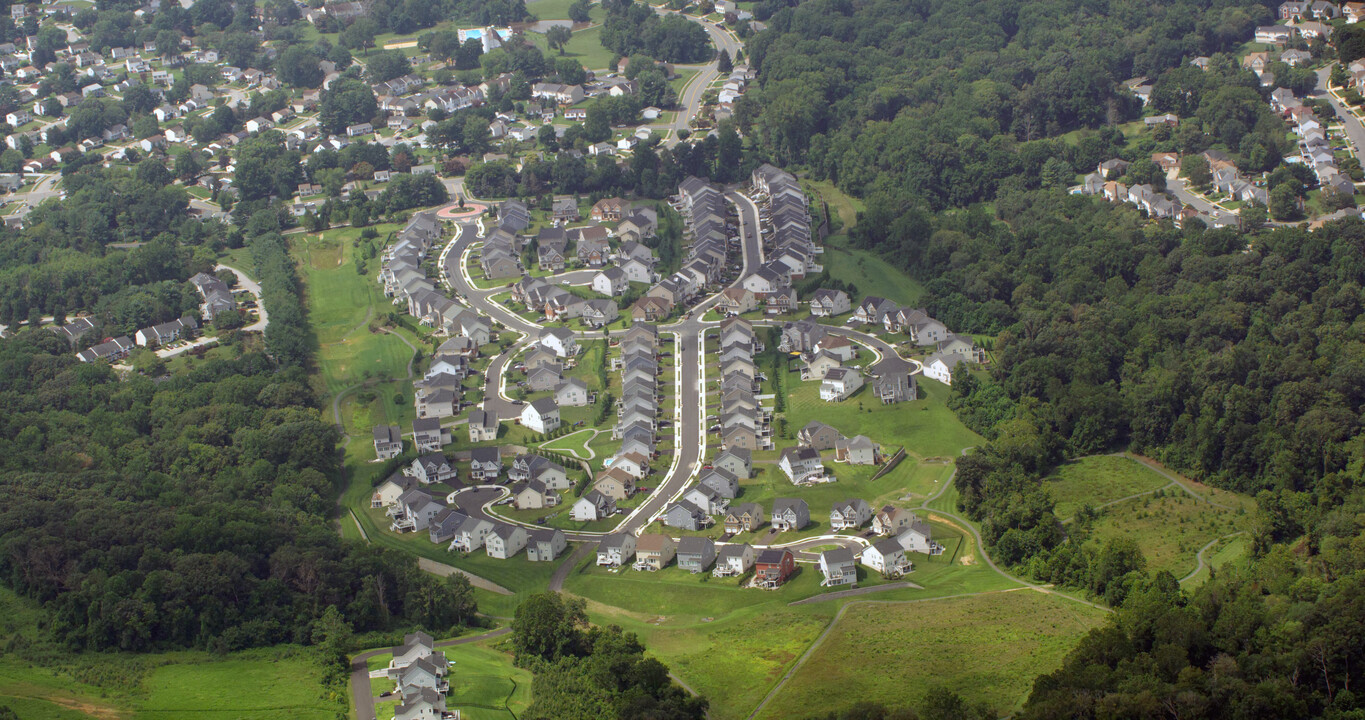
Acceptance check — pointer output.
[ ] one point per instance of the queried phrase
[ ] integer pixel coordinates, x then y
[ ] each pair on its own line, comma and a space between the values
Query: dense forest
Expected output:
186, 510
1232, 356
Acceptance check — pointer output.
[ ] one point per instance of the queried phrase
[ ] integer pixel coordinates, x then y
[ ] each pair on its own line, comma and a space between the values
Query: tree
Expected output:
723, 62
386, 66
1057, 172
557, 37
548, 626
1253, 215
347, 102
359, 35
1284, 204
580, 11
298, 67
1195, 168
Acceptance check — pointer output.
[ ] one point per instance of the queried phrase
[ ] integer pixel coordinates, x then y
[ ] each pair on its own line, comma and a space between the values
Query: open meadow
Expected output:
1099, 479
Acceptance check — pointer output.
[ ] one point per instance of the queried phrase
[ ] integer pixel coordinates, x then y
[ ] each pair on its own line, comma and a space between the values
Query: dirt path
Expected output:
1199, 556
562, 572
855, 592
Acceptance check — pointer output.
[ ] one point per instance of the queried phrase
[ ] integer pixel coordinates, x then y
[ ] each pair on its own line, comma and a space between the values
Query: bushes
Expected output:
288, 337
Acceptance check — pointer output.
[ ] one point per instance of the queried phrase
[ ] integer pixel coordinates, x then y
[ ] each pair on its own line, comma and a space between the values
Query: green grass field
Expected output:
926, 426
575, 443
266, 684
987, 648
485, 685
869, 273
1099, 479
585, 46
1170, 529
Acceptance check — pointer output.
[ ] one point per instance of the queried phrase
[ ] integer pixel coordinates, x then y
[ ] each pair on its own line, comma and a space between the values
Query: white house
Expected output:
887, 557
611, 281
542, 416
840, 383
592, 506
505, 541
560, 341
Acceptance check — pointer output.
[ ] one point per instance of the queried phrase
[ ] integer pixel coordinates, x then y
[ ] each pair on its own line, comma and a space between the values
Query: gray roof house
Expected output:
695, 554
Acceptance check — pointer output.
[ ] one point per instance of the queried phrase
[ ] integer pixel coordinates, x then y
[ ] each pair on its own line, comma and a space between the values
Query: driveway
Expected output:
255, 289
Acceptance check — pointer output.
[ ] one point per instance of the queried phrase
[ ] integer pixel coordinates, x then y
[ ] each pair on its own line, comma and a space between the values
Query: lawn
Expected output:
844, 207
575, 443
585, 46
485, 685
274, 683
869, 273
987, 648
926, 426
1099, 479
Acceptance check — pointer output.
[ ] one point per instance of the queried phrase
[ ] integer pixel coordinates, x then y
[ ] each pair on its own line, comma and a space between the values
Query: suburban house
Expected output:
773, 567
545, 544
818, 436
840, 383
892, 382
850, 514
388, 492
887, 557
615, 483
483, 426
828, 303
542, 416
505, 541
166, 333
592, 506
738, 462
533, 495
891, 520
747, 517
572, 392
485, 464
733, 560
800, 463
415, 646
790, 514
388, 441
685, 515
654, 551
560, 341
838, 567
471, 535
720, 481
616, 550
695, 554
444, 525
857, 450
428, 435
610, 281
420, 704
918, 537
433, 468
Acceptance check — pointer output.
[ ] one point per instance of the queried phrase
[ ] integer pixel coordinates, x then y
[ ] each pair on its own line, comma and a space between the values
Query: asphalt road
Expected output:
690, 98
1354, 132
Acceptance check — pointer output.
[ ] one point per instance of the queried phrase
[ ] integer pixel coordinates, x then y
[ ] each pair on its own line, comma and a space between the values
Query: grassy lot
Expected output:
1169, 526
987, 648
844, 208
926, 426
1227, 551
260, 684
871, 274
585, 46
1097, 480
484, 683
575, 443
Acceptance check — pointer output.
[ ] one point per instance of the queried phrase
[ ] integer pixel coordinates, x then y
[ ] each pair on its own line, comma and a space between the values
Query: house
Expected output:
611, 281
358, 129
573, 392
654, 551
838, 568
721, 482
840, 383
433, 468
615, 483
736, 461
819, 365
695, 554
166, 333
800, 463
1275, 34
790, 514
873, 310
918, 537
887, 557
857, 450
849, 514
416, 646
485, 464
560, 341
420, 704
534, 467
425, 673
592, 506
610, 209
737, 300
685, 515
773, 567
388, 492
940, 366
829, 303
747, 517
217, 297
533, 495
444, 525
891, 520
733, 560
471, 535
818, 436
505, 541
651, 309
545, 544
112, 350
483, 426
428, 435
892, 382
415, 509
542, 415
632, 463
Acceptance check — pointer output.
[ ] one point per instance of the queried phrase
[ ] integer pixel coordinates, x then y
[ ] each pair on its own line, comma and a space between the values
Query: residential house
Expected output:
887, 557
483, 426
433, 468
389, 491
800, 463
829, 303
773, 567
891, 520
685, 516
560, 341
818, 436
545, 544
611, 281
892, 382
428, 435
838, 567
573, 392
533, 495
857, 450
541, 416
917, 536
737, 462
790, 514
722, 482
733, 560
615, 483
416, 646
695, 554
747, 517
849, 514
592, 506
840, 383
471, 535
505, 541
485, 464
